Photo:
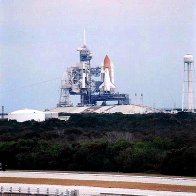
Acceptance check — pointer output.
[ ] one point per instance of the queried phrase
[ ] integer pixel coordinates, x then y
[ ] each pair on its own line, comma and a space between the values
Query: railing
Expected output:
12, 191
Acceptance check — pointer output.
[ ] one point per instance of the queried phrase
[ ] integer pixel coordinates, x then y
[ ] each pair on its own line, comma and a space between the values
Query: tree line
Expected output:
154, 143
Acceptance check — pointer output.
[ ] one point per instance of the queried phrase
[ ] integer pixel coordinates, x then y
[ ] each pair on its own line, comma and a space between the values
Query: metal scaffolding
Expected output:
188, 89
84, 80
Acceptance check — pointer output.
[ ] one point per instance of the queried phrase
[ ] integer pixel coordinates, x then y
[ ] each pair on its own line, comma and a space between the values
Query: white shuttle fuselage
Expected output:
107, 85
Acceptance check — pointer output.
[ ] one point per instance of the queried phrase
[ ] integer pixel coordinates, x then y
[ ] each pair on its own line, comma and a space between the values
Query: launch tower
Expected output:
83, 79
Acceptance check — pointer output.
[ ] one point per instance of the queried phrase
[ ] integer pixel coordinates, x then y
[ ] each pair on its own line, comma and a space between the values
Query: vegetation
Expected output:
158, 143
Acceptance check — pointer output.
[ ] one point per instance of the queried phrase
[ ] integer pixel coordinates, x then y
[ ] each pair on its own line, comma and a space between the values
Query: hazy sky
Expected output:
145, 39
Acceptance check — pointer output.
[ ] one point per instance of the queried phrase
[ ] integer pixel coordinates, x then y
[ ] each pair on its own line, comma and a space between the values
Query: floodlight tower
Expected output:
188, 92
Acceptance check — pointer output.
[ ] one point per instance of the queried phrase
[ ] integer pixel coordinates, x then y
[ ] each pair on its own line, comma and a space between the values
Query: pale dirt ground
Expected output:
95, 183
120, 177
104, 180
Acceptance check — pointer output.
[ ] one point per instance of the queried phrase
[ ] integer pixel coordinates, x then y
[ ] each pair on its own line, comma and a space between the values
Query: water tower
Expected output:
188, 90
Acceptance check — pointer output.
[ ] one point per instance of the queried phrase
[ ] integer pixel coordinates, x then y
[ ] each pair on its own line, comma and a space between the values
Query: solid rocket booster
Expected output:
83, 76
107, 75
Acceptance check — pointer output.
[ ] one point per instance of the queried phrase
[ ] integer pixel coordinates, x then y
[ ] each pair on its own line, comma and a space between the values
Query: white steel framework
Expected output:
188, 87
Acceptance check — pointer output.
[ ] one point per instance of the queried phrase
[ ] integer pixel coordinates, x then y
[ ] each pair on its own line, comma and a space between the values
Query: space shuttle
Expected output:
107, 76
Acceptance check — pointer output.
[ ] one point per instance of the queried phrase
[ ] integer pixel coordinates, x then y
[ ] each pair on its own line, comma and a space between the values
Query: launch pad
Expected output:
122, 99
92, 84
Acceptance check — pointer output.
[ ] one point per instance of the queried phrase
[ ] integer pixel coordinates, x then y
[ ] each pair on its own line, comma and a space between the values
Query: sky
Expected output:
145, 39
